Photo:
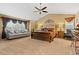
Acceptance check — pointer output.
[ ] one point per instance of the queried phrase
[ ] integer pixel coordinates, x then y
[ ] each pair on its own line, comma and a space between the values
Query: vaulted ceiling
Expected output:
25, 10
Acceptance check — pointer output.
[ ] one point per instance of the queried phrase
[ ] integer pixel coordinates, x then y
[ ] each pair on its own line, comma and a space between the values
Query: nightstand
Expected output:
60, 34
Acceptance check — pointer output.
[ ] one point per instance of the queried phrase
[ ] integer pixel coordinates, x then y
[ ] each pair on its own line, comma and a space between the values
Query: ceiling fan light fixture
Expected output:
40, 10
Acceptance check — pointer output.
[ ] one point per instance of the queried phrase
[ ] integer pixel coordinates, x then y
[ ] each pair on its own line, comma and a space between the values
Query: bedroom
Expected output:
24, 24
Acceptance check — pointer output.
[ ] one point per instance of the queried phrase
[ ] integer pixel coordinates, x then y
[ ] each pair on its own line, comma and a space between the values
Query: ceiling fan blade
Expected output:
37, 8
45, 11
43, 8
35, 11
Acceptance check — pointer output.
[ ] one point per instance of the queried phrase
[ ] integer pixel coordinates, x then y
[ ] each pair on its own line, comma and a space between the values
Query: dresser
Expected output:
60, 34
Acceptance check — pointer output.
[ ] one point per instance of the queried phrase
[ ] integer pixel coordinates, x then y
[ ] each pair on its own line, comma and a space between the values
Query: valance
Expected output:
69, 19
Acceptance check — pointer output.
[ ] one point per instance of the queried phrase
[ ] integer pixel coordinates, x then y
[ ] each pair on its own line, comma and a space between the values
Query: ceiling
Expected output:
25, 10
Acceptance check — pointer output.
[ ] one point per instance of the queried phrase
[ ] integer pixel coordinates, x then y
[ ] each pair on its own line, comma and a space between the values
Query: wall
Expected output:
33, 23
1, 27
58, 19
77, 19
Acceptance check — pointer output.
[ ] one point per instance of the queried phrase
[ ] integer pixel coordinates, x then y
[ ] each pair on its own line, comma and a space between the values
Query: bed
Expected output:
48, 35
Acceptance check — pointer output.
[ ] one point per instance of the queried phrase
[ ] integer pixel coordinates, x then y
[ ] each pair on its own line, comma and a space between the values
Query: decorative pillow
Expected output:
44, 29
50, 29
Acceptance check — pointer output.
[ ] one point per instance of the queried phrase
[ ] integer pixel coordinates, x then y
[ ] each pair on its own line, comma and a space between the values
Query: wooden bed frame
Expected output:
46, 36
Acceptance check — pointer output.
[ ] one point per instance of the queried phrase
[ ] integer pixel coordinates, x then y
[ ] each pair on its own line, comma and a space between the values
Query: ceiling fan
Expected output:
40, 10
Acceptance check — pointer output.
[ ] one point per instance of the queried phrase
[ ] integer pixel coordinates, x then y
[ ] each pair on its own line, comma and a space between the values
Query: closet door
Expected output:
1, 27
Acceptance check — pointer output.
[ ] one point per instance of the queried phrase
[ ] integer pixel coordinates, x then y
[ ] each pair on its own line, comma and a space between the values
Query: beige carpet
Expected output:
26, 46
